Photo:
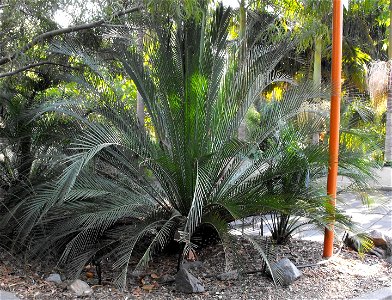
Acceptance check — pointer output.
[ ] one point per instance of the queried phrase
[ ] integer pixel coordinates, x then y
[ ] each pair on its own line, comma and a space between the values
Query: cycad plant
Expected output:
127, 192
310, 172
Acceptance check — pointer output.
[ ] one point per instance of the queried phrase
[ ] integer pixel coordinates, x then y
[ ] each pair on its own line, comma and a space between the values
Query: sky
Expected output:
63, 18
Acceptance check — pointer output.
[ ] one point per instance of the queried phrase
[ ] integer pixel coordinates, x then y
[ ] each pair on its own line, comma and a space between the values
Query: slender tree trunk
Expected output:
242, 33
139, 98
317, 74
317, 62
242, 19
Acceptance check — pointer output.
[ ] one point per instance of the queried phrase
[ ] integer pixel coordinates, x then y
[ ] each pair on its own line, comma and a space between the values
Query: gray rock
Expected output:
353, 242
231, 275
135, 277
54, 277
137, 274
187, 283
285, 272
166, 278
192, 264
80, 288
7, 296
378, 238
389, 260
379, 252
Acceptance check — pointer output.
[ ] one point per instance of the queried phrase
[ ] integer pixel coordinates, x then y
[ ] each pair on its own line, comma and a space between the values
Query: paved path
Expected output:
376, 216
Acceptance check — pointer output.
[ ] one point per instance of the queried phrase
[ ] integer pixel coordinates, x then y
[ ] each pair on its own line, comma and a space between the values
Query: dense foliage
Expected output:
125, 188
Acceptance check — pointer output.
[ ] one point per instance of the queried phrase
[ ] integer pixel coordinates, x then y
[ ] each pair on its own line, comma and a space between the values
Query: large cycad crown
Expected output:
197, 91
188, 168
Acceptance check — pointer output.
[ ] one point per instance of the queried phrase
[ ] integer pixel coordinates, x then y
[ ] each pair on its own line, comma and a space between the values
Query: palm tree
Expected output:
127, 193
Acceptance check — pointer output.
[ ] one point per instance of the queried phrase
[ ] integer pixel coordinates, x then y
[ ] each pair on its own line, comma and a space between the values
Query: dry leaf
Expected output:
191, 255
137, 291
89, 274
148, 287
154, 276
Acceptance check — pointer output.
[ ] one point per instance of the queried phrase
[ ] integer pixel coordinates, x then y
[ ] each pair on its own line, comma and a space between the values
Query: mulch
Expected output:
345, 276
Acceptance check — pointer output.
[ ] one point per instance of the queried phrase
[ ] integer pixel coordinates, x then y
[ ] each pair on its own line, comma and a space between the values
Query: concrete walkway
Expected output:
376, 216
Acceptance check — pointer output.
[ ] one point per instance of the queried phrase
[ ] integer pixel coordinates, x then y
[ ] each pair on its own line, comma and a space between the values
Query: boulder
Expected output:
54, 277
7, 296
187, 283
378, 238
231, 275
285, 272
80, 288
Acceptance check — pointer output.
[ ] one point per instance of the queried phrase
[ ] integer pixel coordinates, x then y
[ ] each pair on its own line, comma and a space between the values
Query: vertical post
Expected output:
337, 32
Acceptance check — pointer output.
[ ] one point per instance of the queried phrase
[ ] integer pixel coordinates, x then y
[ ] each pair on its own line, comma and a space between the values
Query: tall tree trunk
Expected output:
317, 74
242, 20
139, 98
388, 125
242, 33
317, 62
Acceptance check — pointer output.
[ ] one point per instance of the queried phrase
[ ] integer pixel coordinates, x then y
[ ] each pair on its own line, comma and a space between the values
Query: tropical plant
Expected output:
311, 160
127, 192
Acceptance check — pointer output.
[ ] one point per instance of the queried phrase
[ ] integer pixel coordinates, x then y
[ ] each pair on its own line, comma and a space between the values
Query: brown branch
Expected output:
31, 66
50, 34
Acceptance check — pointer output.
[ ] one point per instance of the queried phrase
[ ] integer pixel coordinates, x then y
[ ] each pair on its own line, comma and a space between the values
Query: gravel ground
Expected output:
345, 276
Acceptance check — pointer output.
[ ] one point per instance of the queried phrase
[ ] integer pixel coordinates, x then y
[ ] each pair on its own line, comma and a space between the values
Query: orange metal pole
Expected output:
337, 34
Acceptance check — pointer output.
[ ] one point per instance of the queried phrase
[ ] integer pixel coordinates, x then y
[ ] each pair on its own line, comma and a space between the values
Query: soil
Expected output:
345, 276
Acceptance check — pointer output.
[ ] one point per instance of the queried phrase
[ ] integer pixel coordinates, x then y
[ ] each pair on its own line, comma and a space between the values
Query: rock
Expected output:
187, 283
137, 274
231, 275
379, 252
80, 288
166, 278
192, 264
378, 239
135, 277
352, 242
7, 296
389, 260
285, 272
54, 277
